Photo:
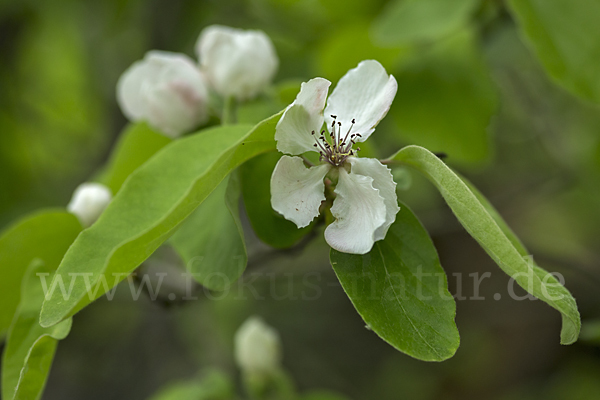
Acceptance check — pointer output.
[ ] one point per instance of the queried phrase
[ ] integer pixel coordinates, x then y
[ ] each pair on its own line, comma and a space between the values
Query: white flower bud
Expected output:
257, 347
238, 63
167, 90
88, 202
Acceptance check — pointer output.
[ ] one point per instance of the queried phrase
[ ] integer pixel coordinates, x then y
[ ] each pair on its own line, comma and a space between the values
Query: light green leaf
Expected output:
426, 108
136, 145
150, 206
413, 21
211, 240
214, 385
486, 226
269, 225
564, 35
30, 348
400, 290
45, 235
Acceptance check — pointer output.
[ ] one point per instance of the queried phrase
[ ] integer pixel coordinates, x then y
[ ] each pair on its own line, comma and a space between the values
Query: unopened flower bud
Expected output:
88, 202
167, 90
257, 347
238, 63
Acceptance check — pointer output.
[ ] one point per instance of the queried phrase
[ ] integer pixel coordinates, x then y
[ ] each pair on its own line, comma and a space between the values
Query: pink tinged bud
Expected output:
166, 90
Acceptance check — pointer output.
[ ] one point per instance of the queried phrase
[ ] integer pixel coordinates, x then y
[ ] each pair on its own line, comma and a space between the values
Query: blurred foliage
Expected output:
477, 81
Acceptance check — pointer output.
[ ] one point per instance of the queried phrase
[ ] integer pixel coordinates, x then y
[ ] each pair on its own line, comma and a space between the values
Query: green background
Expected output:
509, 91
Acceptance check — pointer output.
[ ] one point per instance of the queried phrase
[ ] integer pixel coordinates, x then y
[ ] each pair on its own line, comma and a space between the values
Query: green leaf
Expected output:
564, 35
150, 206
426, 108
136, 145
413, 21
30, 348
269, 225
215, 385
485, 225
211, 240
400, 290
45, 235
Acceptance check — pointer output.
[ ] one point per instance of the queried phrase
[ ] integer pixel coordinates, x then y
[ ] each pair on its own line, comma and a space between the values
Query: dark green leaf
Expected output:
211, 240
486, 226
401, 291
564, 35
268, 225
45, 235
30, 348
410, 21
136, 145
150, 206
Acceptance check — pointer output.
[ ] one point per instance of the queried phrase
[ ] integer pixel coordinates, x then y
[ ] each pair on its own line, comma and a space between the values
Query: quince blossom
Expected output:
238, 63
165, 89
366, 203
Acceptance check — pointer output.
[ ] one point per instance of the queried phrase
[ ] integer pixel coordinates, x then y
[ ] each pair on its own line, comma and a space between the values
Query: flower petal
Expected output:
365, 94
382, 181
304, 115
359, 211
297, 191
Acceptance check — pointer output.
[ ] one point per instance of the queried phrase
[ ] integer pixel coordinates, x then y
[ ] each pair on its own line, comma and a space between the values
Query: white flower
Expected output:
88, 202
238, 63
366, 203
167, 90
257, 346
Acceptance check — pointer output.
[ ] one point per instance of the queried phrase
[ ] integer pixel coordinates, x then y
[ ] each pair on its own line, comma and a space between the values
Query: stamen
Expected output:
337, 150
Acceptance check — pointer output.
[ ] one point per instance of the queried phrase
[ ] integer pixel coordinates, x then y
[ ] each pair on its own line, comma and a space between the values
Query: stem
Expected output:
229, 111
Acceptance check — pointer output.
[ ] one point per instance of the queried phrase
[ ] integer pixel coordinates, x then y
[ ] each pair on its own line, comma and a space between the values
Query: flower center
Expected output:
336, 149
